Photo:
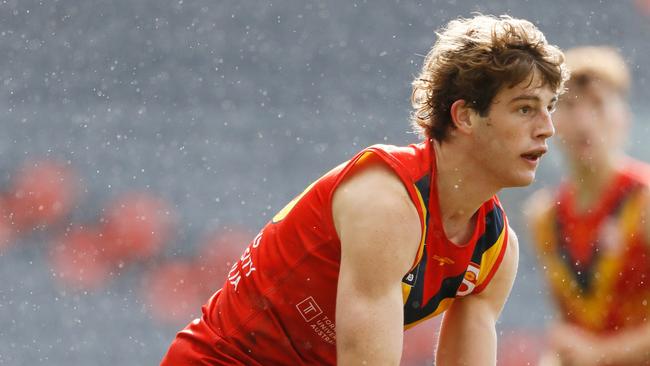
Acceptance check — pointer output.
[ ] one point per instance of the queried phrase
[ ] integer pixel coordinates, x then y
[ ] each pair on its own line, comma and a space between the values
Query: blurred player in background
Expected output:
397, 235
591, 234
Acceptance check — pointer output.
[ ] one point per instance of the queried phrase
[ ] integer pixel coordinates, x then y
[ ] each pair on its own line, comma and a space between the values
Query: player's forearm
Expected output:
466, 340
468, 334
369, 332
359, 352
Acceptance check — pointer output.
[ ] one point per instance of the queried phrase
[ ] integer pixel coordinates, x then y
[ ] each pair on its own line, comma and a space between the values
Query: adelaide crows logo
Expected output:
470, 280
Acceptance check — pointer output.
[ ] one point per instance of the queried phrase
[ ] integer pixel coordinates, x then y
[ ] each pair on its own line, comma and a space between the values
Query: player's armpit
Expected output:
379, 229
468, 335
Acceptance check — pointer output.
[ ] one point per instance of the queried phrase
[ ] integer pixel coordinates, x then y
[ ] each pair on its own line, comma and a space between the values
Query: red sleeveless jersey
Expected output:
598, 262
277, 306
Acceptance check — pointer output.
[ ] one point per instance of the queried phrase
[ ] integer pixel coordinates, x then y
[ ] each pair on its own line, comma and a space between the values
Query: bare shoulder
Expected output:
375, 190
511, 256
370, 177
373, 213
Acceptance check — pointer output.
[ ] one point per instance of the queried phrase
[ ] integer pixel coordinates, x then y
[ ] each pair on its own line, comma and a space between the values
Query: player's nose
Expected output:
545, 127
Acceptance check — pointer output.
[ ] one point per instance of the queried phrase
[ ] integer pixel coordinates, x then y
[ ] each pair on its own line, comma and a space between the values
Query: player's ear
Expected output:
461, 116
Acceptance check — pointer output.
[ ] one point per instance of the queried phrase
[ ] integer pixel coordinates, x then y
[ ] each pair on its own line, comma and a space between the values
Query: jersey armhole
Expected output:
497, 261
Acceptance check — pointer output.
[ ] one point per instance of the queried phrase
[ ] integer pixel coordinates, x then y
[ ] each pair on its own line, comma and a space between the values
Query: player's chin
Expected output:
522, 179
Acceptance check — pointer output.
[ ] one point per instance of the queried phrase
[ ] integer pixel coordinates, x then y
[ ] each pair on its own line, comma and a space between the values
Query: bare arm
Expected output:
468, 335
630, 347
380, 231
577, 347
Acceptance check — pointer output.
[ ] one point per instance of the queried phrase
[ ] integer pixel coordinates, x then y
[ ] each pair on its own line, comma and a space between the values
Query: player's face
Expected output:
591, 122
511, 139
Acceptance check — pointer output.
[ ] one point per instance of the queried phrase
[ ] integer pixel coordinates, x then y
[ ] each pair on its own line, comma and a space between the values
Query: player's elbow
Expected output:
357, 352
368, 334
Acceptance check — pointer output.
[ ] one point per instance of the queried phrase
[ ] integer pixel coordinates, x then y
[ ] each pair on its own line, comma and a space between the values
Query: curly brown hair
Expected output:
472, 60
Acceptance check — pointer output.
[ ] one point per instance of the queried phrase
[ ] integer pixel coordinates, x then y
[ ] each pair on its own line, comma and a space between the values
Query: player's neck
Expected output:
461, 191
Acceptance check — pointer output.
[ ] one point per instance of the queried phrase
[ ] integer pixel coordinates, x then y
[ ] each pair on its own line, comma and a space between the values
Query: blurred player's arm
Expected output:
468, 334
380, 230
576, 347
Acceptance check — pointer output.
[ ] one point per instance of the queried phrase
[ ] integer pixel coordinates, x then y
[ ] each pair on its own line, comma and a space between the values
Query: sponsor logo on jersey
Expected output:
309, 309
469, 280
443, 260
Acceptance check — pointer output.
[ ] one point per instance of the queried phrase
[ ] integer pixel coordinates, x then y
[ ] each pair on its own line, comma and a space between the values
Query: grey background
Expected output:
227, 110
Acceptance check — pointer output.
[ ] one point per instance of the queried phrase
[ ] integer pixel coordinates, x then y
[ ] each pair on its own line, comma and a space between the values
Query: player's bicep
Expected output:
379, 231
368, 323
378, 226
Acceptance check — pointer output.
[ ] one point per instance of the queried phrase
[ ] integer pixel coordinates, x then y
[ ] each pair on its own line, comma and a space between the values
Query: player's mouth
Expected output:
534, 155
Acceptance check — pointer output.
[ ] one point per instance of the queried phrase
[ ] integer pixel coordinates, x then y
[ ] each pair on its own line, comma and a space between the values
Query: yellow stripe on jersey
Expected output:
630, 214
444, 305
423, 205
363, 157
490, 256
406, 289
285, 211
589, 307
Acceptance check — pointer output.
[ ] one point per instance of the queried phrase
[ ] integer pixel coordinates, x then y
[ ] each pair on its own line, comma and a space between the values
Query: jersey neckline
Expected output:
434, 207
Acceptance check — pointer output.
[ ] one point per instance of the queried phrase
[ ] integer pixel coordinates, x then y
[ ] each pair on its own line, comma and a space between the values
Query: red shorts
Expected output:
192, 346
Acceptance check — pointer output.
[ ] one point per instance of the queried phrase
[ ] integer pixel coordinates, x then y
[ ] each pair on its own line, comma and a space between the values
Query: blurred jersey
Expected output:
277, 306
598, 261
